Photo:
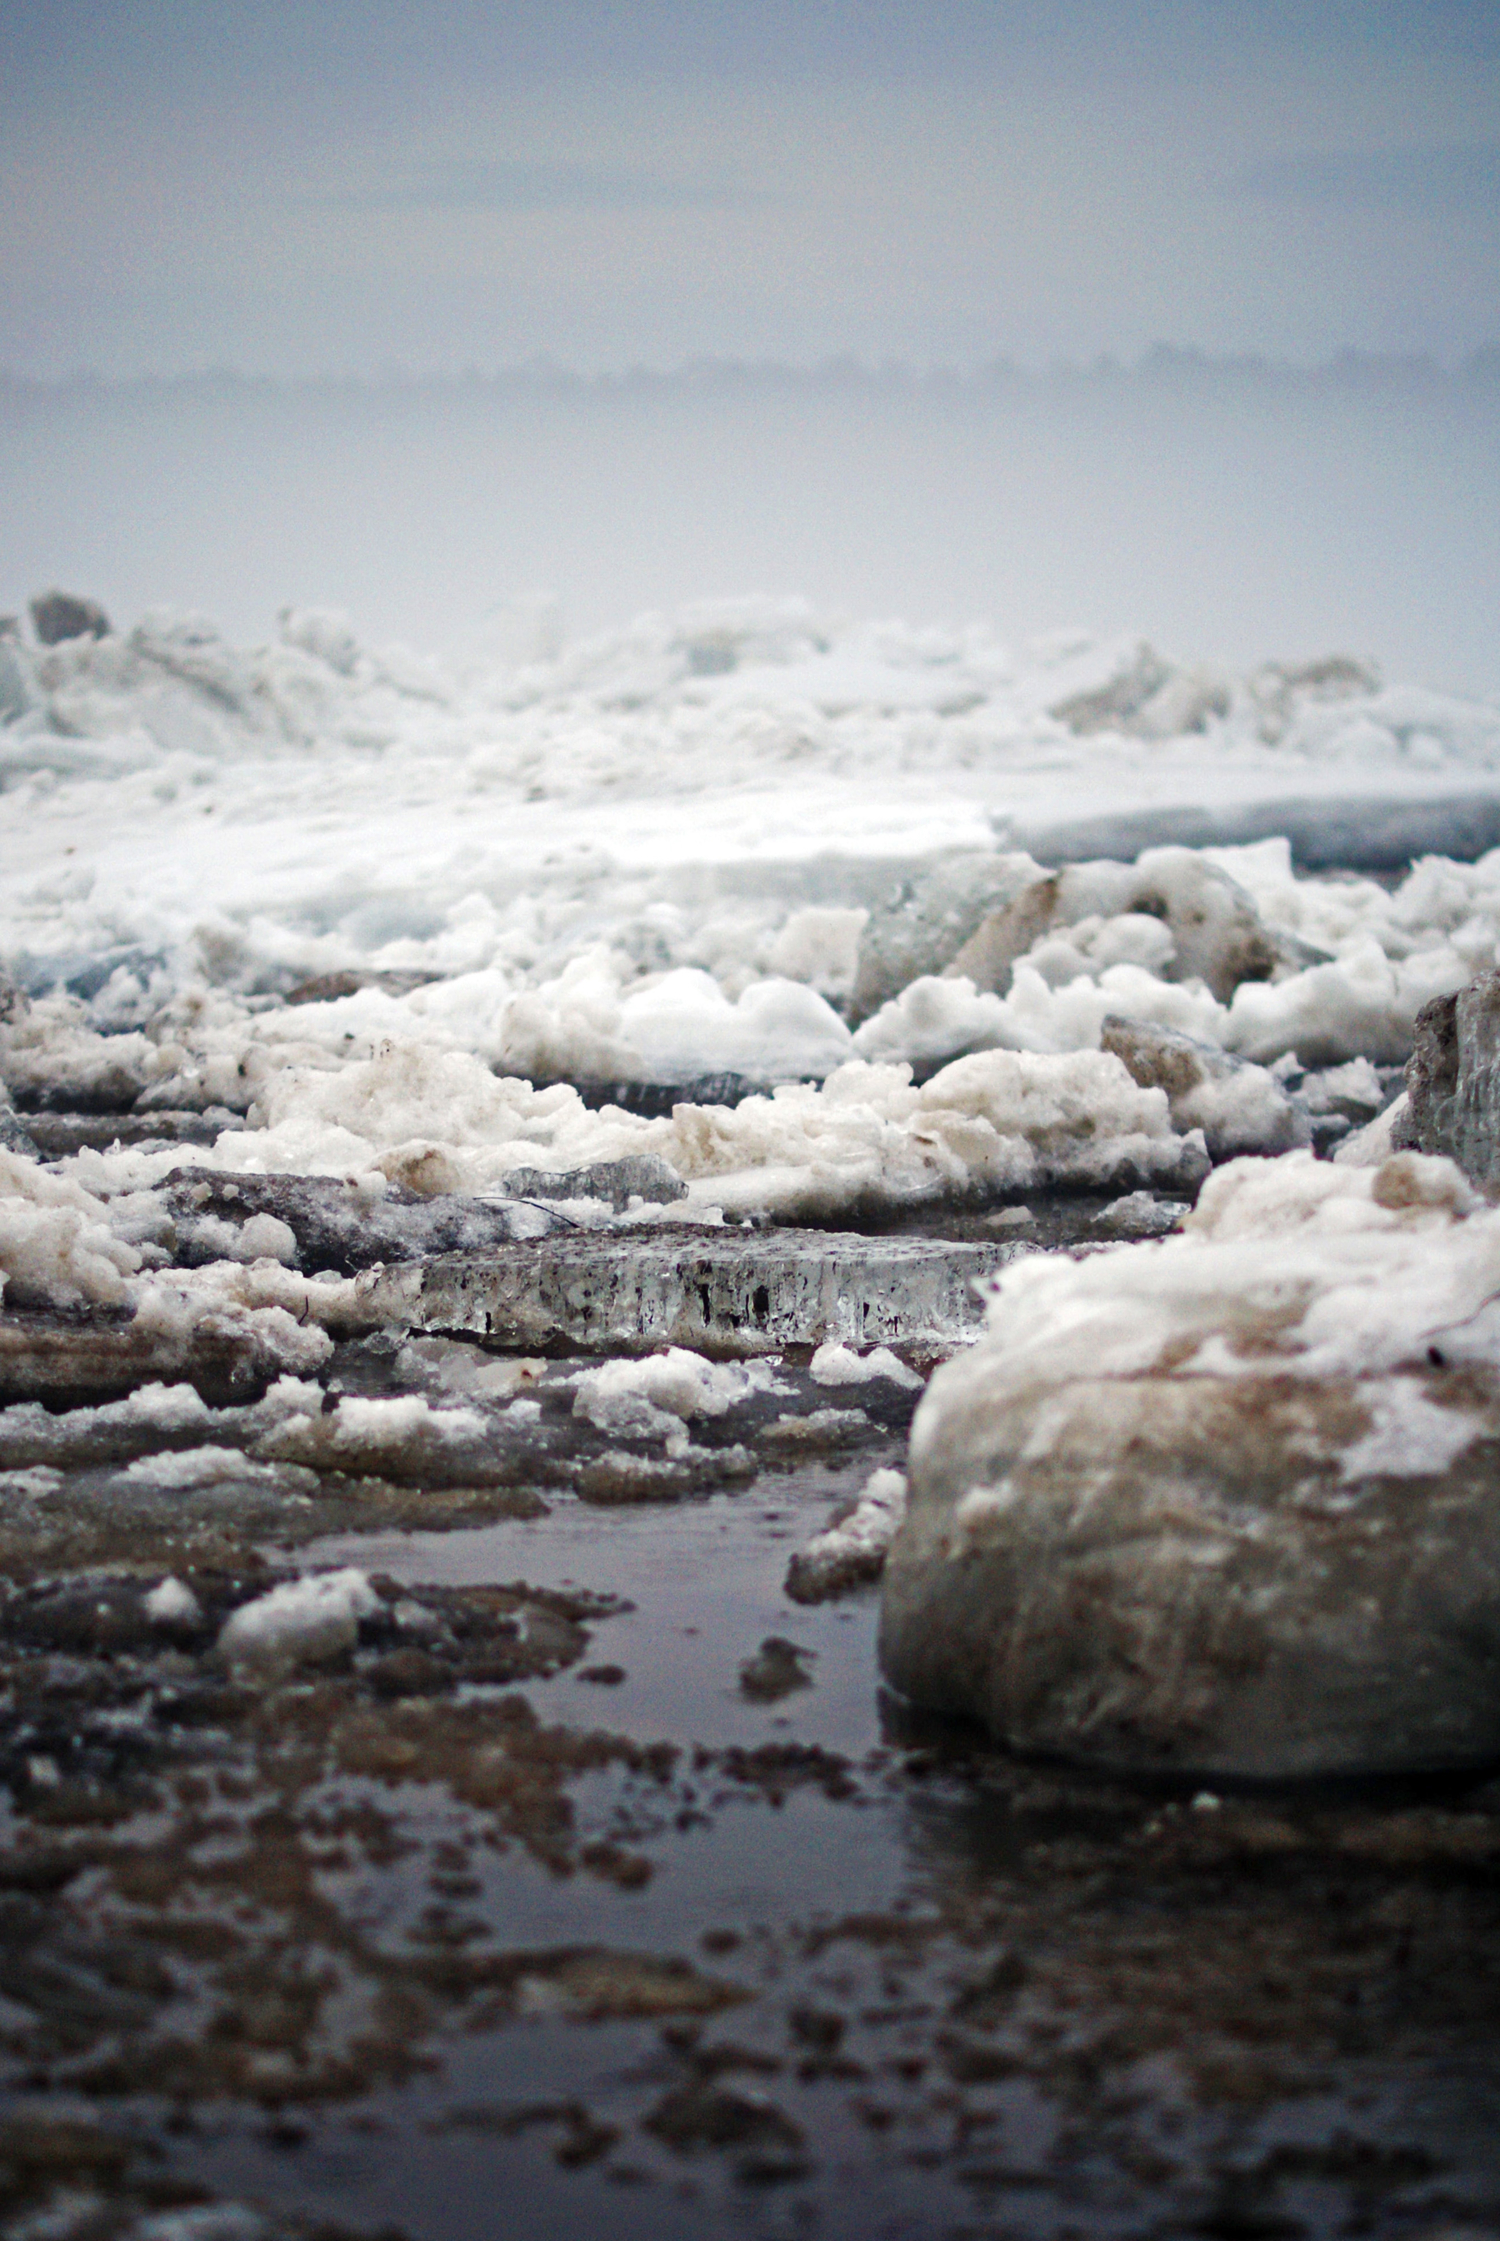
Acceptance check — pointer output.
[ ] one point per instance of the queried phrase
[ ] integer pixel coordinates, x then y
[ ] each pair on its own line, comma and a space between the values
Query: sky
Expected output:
353, 187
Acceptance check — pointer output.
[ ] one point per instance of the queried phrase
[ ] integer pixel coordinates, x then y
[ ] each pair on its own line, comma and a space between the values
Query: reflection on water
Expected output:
576, 1930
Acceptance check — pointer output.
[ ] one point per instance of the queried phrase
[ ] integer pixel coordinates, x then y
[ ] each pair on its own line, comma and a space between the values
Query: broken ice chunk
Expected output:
466, 1369
825, 1427
840, 1365
739, 1295
1224, 1502
643, 1175
654, 1398
619, 1477
172, 1603
1240, 1107
401, 1438
57, 1248
776, 1670
851, 1552
212, 1466
1139, 1215
303, 1621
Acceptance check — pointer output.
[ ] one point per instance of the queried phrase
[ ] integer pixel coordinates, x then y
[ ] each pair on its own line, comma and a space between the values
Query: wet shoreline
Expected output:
597, 1877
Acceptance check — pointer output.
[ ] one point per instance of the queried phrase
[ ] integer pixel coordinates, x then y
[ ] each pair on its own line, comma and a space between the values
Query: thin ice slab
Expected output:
67, 1362
729, 1295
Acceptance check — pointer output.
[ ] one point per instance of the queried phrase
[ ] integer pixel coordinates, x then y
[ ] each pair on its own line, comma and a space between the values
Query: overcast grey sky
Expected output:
350, 185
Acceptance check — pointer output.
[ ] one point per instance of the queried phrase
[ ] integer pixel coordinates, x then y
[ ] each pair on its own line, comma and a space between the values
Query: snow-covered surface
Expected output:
1351, 1270
1338, 1275
834, 1364
667, 854
370, 1435
61, 1246
57, 1248
1223, 1501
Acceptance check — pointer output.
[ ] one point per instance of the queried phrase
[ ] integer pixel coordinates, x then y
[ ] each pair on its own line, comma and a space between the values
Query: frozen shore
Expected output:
524, 1192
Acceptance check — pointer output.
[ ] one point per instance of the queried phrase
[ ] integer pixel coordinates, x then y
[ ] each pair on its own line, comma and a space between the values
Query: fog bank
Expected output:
1225, 510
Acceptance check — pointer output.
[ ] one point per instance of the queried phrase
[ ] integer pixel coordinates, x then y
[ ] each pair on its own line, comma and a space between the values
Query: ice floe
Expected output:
722, 917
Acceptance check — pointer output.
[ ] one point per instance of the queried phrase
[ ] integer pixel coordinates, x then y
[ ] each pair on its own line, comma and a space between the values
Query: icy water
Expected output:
624, 1922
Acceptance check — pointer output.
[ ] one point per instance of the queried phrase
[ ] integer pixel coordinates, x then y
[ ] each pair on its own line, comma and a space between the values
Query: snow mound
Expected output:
395, 1438
57, 1248
834, 1364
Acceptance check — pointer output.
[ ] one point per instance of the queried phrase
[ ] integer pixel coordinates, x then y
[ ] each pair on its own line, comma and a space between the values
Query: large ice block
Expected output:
734, 1294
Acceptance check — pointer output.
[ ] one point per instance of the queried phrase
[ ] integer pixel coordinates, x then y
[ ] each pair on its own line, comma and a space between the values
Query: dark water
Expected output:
599, 1888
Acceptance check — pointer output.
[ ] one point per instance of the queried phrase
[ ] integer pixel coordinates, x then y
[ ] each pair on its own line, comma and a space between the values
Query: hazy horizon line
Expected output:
1160, 362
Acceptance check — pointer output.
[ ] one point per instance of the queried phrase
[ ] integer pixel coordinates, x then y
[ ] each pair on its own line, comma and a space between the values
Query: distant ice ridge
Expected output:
473, 815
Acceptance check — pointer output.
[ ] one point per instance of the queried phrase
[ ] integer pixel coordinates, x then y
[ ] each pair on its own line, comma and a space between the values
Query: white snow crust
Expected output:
395, 1434
654, 858
1338, 1276
658, 1397
835, 1364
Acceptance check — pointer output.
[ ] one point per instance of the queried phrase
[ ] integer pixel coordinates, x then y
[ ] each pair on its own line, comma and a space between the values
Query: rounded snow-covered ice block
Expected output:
1230, 1503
